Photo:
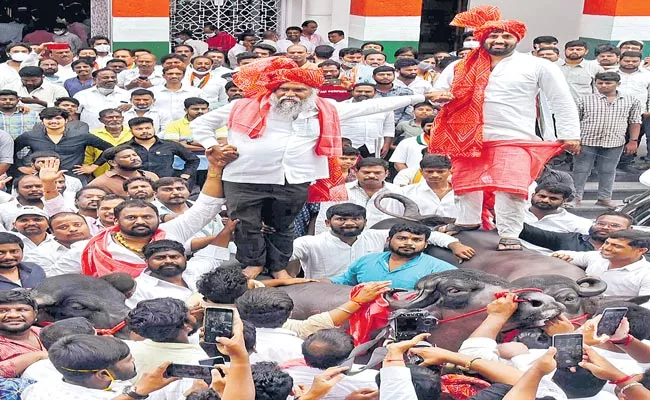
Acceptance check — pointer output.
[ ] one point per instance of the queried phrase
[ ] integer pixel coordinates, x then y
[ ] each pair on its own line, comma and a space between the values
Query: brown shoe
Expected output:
606, 203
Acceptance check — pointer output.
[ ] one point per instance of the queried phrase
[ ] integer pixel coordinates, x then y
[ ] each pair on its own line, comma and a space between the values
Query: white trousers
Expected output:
509, 209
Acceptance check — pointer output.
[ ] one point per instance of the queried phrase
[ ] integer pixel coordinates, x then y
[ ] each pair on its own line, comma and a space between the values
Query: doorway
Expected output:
435, 32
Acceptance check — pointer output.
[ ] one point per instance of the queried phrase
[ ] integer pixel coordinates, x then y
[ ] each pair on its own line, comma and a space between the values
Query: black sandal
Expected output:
509, 244
452, 229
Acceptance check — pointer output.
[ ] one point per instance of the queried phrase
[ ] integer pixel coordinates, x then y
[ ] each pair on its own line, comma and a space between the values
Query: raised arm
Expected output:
204, 127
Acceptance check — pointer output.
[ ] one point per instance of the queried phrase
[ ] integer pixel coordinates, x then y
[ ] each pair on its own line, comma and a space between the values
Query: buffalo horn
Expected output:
411, 209
594, 288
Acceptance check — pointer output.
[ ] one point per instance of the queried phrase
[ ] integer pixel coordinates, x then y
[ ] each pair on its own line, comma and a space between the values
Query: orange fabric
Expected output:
97, 261
458, 127
258, 80
462, 387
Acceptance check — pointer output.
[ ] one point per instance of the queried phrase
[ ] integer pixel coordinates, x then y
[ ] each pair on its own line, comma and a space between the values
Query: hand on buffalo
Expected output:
371, 290
154, 380
558, 325
363, 394
461, 251
546, 363
503, 307
599, 366
296, 281
589, 334
511, 349
562, 256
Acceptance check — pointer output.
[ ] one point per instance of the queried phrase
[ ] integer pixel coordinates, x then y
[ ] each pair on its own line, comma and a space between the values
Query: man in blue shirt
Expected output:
403, 265
14, 273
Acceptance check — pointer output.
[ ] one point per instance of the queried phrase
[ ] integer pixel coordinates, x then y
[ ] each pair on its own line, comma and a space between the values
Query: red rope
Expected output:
497, 295
112, 331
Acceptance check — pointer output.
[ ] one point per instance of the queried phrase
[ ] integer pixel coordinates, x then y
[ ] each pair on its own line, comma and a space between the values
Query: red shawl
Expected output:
458, 128
97, 261
258, 81
462, 387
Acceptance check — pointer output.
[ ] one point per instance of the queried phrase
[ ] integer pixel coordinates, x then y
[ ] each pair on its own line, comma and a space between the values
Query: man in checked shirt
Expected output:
604, 119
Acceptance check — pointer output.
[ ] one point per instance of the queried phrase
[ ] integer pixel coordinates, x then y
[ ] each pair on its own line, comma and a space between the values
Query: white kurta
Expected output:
428, 201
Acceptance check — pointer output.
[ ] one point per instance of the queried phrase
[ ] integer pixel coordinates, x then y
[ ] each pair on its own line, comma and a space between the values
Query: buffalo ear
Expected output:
590, 286
638, 299
43, 299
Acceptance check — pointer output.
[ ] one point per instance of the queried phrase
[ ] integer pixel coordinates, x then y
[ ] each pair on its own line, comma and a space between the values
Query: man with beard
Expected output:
114, 132
87, 202
607, 56
34, 91
352, 69
170, 96
139, 188
218, 58
29, 190
330, 253
579, 73
100, 97
50, 68
488, 128
370, 134
606, 223
125, 164
31, 225
14, 273
408, 76
283, 138
71, 185
143, 106
13, 119
546, 210
403, 265
384, 76
212, 85
169, 273
233, 91
19, 345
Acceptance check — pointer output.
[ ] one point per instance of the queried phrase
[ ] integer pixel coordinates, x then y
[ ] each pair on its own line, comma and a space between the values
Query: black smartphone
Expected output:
217, 322
569, 349
610, 320
212, 361
189, 371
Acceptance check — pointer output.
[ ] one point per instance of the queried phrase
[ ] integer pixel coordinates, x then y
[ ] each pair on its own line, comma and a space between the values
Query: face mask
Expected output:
178, 40
349, 64
147, 108
471, 44
19, 57
103, 48
89, 59
105, 91
210, 34
425, 66
58, 32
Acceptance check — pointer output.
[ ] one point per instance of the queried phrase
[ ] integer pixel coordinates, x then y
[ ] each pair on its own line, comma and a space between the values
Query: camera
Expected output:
407, 325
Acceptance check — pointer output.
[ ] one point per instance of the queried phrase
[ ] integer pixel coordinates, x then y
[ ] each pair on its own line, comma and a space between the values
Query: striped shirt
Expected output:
604, 123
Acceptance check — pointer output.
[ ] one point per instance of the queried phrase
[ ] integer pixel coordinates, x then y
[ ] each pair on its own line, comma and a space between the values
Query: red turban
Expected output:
487, 19
258, 80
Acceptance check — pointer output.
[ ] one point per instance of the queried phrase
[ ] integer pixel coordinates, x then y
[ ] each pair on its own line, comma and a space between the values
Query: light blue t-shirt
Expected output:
374, 267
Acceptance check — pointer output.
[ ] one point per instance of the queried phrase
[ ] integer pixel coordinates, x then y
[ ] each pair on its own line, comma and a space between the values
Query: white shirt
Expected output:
31, 246
418, 86
408, 152
171, 102
160, 119
46, 255
42, 370
232, 54
276, 344
66, 72
509, 111
199, 46
580, 77
637, 85
60, 390
9, 75
325, 255
72, 186
128, 75
47, 92
428, 201
406, 176
338, 46
217, 72
304, 375
630, 280
396, 384
92, 102
214, 91
286, 150
359, 197
563, 221
369, 130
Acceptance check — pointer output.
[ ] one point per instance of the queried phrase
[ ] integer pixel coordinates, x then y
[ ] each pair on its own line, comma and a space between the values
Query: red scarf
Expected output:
97, 261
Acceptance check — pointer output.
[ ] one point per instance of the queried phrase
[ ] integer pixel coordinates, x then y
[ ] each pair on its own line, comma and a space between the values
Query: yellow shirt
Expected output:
179, 130
92, 154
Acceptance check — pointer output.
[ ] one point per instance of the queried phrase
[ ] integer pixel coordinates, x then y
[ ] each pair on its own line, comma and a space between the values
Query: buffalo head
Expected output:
74, 295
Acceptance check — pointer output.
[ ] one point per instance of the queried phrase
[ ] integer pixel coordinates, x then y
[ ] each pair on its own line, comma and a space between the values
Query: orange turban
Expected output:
487, 19
264, 76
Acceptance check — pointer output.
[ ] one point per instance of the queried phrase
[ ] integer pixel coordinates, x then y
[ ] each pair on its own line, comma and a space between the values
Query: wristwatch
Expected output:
131, 392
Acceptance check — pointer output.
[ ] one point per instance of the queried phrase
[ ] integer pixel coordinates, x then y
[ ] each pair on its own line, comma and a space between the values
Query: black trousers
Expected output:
275, 205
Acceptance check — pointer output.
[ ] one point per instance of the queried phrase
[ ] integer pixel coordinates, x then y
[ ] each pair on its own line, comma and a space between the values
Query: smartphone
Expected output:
212, 361
189, 371
569, 349
610, 320
217, 322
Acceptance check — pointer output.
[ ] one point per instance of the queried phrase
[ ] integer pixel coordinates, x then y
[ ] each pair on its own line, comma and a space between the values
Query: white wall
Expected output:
559, 18
330, 14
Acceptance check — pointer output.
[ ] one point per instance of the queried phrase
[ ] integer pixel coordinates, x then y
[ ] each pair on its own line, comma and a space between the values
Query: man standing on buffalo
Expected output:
284, 137
489, 127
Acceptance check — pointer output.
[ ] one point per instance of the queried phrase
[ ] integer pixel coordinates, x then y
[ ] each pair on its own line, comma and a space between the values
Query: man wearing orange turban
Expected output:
282, 138
489, 127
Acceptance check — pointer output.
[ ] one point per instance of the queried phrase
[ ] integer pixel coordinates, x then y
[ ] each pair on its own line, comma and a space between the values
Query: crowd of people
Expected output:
238, 165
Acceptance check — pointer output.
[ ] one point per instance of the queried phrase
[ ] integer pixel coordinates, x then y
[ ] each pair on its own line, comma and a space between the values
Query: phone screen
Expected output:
189, 371
212, 361
569, 349
217, 323
610, 320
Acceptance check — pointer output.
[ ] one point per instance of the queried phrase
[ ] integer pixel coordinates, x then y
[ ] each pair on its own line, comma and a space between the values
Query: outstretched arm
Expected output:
204, 127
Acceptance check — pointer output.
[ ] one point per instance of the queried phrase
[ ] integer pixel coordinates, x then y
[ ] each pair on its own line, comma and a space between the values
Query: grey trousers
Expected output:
606, 166
275, 205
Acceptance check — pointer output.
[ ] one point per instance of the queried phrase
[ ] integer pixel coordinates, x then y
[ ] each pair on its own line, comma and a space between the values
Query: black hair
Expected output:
20, 178
16, 296
636, 239
350, 151
215, 51
404, 63
426, 382
375, 43
307, 22
581, 383
410, 227
131, 52
293, 28
372, 162
126, 183
444, 63
162, 245
81, 61
247, 55
161, 320
266, 307
271, 383
120, 281
576, 43
383, 68
141, 92
134, 203
53, 112
106, 111
435, 161
349, 50
112, 196
607, 48
637, 316
209, 394
250, 336
31, 72
223, 285
99, 71
42, 154
370, 52
137, 121
632, 42
609, 76
168, 181
327, 348
230, 85
242, 36
76, 356
555, 188
67, 214
110, 153
12, 45
372, 85
346, 210
427, 120
324, 51
116, 60
465, 35
634, 54
85, 189
613, 213
645, 379
553, 49
8, 93
195, 101
184, 45
60, 100
172, 56
407, 49
423, 104
272, 50
63, 328
337, 32
329, 62
545, 39
93, 39
346, 142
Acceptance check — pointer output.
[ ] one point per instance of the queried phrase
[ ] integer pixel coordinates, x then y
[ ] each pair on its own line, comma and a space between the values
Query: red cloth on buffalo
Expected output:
462, 387
97, 261
370, 317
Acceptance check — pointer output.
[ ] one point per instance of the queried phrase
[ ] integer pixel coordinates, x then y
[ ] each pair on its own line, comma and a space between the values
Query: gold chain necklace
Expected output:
121, 240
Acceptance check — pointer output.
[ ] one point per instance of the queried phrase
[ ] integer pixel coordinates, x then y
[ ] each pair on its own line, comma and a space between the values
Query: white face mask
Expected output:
58, 32
103, 48
471, 44
178, 40
19, 57
210, 34
105, 91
